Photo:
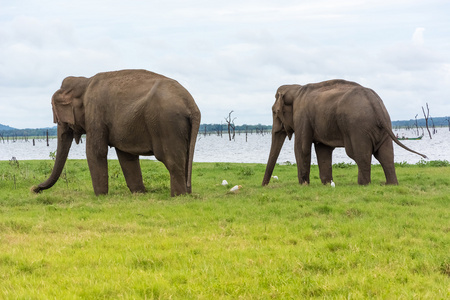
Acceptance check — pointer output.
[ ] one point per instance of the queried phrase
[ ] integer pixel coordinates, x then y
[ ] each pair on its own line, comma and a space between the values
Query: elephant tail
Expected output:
395, 139
386, 124
195, 126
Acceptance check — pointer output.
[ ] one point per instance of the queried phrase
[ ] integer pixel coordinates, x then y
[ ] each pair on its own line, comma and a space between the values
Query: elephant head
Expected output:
68, 113
283, 124
67, 105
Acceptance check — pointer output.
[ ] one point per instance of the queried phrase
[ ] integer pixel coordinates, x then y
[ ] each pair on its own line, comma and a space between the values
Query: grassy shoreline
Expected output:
275, 242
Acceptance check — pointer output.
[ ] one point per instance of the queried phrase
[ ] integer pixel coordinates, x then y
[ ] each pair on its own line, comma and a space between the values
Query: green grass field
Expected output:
283, 241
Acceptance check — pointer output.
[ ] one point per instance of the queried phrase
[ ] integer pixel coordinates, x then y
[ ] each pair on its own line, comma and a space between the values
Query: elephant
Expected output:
137, 112
330, 114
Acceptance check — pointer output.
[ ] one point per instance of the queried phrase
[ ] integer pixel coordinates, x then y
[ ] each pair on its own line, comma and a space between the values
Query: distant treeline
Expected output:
209, 128
6, 131
438, 122
223, 128
29, 132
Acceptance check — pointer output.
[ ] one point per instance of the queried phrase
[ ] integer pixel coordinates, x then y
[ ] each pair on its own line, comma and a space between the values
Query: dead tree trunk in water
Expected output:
417, 126
432, 126
427, 115
246, 130
231, 126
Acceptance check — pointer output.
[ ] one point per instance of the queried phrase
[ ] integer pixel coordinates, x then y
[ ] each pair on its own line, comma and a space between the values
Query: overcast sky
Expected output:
230, 55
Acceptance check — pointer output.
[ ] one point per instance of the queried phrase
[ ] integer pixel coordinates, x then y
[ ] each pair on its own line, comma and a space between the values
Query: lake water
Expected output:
213, 148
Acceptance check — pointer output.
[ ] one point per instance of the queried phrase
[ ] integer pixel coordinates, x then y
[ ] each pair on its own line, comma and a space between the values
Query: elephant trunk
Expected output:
278, 139
65, 138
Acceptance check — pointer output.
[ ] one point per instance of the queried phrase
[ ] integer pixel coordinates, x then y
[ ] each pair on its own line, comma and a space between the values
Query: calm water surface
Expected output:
213, 148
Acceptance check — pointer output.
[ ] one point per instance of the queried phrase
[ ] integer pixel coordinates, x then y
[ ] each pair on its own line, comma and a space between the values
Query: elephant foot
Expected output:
139, 191
100, 192
391, 183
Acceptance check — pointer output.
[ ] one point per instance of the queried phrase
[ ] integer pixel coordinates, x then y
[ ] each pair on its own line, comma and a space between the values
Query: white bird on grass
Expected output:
332, 184
235, 188
224, 182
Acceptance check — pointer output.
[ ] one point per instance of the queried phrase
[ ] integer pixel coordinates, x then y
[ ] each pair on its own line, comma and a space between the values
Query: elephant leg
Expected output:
98, 165
175, 159
360, 150
385, 155
177, 177
303, 158
364, 170
324, 160
131, 171
177, 182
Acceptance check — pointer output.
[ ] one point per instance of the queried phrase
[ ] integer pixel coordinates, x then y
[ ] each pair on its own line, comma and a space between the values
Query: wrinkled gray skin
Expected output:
137, 112
332, 114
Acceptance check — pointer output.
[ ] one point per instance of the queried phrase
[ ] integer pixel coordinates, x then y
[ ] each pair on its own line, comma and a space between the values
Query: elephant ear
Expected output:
62, 107
283, 112
67, 102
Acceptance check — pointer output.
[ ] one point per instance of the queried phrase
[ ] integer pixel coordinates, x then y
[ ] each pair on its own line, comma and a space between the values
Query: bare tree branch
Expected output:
231, 126
427, 115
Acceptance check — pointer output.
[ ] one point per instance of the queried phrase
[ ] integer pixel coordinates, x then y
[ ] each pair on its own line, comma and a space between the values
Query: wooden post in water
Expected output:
47, 138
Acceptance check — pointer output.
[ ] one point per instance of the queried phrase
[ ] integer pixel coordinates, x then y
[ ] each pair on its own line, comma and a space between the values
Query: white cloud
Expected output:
230, 55
417, 37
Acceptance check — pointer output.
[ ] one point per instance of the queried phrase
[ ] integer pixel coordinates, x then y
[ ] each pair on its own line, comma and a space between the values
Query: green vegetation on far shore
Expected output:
282, 241
7, 132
